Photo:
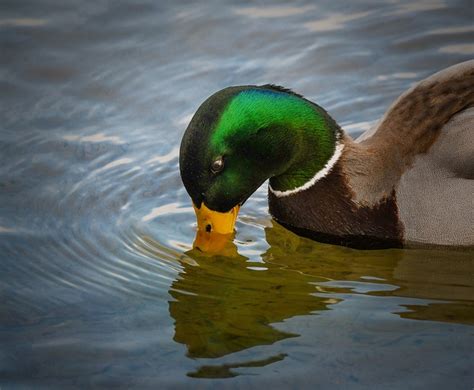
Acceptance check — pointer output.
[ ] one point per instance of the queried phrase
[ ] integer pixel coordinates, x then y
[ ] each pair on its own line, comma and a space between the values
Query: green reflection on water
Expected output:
221, 305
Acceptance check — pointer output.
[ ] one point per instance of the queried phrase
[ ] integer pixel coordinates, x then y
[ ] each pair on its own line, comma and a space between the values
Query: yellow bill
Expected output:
215, 243
215, 230
214, 222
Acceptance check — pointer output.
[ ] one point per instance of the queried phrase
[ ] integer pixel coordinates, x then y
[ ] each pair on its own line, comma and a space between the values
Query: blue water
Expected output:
99, 285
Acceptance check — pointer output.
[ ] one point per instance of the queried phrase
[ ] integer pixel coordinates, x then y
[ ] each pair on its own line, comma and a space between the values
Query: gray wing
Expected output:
435, 196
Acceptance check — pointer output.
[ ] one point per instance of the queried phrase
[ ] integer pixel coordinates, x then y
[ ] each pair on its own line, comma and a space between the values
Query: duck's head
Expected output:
238, 138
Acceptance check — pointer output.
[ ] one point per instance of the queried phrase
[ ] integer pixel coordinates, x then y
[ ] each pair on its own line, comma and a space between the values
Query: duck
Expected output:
408, 181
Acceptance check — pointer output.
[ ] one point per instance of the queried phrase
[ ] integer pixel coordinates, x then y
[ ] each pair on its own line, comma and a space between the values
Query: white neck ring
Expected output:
318, 176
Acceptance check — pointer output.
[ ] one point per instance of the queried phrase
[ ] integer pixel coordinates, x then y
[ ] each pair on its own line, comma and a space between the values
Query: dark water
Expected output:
99, 286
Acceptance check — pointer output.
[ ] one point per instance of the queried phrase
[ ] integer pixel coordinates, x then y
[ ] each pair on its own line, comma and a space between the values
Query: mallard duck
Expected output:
410, 180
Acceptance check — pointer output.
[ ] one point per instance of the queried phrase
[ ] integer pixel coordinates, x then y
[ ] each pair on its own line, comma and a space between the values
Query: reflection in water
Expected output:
221, 305
437, 275
211, 243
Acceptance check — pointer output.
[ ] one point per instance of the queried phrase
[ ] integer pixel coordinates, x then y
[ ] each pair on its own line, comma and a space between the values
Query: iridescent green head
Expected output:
241, 136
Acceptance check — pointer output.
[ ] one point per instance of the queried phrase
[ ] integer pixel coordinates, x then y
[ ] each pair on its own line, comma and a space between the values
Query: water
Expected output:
99, 283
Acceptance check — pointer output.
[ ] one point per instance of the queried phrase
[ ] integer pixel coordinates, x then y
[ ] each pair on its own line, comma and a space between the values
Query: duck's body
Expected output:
408, 181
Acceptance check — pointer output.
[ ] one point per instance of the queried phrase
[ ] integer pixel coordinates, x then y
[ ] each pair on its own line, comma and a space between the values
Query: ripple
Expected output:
458, 49
23, 22
452, 30
272, 12
401, 75
4, 229
116, 163
361, 287
163, 159
96, 138
419, 5
334, 21
172, 208
359, 127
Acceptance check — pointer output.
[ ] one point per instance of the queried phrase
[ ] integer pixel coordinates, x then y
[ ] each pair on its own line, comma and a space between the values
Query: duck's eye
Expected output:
217, 165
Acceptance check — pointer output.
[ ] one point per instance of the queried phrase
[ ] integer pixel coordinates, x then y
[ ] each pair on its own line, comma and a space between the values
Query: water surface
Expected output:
99, 283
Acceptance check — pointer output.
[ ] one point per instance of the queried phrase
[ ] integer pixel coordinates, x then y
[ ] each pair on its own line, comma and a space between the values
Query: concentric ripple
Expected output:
99, 283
